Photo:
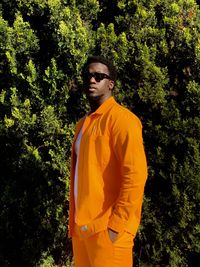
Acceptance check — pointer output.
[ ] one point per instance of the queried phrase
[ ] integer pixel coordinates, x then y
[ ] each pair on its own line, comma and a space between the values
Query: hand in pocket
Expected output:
112, 234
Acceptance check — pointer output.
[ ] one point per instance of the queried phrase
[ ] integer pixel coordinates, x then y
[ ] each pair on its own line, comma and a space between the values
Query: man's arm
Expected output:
129, 150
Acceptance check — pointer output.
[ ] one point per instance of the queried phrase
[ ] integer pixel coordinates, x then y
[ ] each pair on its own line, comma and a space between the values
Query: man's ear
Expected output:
111, 84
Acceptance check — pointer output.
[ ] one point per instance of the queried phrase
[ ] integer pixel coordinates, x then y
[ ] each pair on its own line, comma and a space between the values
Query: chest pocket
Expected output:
97, 143
99, 150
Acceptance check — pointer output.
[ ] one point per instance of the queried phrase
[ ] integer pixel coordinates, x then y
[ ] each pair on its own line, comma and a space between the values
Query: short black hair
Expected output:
103, 60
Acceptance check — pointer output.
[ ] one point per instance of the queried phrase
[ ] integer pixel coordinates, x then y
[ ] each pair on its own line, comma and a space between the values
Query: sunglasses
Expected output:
96, 75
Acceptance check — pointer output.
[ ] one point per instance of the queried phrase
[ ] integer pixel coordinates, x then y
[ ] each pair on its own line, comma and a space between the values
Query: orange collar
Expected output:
105, 106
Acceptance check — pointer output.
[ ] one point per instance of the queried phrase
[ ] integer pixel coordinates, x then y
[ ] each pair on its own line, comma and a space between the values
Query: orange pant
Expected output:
99, 251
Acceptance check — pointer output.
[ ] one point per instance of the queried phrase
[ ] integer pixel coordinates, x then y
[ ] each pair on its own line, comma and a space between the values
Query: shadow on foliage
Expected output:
30, 223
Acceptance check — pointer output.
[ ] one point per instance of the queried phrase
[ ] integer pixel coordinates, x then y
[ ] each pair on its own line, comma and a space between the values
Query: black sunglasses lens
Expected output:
98, 76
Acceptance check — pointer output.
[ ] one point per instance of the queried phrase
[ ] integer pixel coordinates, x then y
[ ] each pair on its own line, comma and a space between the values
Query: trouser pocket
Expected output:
123, 240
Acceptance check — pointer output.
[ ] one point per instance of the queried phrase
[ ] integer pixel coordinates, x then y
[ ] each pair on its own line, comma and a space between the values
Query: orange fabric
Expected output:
99, 251
112, 171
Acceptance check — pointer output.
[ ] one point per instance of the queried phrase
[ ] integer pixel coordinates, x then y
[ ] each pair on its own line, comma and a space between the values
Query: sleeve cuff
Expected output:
117, 224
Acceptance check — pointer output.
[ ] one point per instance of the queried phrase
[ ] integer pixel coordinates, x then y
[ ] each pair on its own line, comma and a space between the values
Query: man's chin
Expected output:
93, 97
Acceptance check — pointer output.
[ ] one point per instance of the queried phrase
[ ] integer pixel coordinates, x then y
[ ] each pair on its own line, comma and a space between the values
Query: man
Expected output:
108, 175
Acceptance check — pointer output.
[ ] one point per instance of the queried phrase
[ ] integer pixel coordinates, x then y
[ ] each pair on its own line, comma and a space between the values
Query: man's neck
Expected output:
96, 103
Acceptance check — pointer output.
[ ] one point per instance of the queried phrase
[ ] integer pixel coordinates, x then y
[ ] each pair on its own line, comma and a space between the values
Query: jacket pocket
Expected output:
101, 149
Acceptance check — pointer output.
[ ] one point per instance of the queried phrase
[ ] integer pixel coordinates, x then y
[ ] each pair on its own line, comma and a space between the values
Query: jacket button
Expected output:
84, 228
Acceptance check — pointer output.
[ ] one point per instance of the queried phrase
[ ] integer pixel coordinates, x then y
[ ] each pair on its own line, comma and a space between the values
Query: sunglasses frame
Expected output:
98, 76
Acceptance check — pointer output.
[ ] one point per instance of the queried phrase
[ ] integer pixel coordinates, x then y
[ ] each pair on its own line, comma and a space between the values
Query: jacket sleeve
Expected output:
129, 151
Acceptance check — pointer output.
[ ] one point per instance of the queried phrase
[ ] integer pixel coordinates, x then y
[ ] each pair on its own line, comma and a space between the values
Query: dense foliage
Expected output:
155, 46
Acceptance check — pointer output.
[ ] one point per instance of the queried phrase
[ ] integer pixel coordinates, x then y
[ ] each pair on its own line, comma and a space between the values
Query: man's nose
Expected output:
92, 80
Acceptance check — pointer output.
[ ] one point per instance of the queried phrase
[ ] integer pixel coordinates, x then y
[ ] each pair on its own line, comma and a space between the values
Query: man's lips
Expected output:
91, 89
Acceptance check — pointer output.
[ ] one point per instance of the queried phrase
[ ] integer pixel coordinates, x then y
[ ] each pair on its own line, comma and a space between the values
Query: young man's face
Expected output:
97, 86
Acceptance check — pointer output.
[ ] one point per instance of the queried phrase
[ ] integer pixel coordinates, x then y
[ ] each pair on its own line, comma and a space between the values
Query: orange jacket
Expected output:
112, 171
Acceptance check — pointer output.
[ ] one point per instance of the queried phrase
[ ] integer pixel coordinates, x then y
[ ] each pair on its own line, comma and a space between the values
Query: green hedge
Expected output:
155, 46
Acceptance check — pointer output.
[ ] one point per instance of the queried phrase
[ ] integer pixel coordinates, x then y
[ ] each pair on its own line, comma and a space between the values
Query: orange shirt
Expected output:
112, 171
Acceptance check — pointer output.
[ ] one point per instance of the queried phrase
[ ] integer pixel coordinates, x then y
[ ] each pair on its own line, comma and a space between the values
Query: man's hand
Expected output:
112, 234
